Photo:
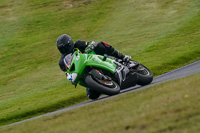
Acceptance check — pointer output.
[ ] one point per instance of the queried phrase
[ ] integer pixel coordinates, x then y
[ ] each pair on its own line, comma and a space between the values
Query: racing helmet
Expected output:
65, 44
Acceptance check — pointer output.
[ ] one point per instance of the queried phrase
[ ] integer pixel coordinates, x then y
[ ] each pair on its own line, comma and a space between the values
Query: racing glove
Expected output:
90, 47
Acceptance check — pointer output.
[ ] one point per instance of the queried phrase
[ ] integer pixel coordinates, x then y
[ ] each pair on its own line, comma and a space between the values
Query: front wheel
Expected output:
105, 86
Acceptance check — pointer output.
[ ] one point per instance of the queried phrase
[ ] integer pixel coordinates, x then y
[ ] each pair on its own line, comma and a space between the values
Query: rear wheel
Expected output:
102, 84
145, 76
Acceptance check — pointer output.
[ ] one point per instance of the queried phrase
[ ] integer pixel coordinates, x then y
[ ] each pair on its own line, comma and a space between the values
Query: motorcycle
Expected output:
105, 74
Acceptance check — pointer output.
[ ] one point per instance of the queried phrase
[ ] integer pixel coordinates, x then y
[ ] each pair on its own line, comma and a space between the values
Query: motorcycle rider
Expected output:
66, 46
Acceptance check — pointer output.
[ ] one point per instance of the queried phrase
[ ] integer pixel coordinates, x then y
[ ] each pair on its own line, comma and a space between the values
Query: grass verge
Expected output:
166, 107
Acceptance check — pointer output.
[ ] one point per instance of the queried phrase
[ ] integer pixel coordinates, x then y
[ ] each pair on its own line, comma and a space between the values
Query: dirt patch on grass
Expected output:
70, 4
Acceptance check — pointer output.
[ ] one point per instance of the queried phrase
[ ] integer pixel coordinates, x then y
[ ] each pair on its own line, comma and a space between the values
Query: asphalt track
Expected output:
175, 74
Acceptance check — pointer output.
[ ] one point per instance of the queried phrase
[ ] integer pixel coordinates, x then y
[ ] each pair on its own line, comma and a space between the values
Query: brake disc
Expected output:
105, 81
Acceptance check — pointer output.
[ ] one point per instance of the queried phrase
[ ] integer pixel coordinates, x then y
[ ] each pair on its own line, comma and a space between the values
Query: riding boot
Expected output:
117, 54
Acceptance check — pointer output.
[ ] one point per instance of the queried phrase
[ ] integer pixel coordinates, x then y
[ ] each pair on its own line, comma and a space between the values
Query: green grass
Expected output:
163, 35
167, 107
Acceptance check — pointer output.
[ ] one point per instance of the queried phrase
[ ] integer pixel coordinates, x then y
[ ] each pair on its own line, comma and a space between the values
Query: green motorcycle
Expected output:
104, 74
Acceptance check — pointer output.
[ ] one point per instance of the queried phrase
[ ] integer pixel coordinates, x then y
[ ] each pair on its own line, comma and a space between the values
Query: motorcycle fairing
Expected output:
81, 61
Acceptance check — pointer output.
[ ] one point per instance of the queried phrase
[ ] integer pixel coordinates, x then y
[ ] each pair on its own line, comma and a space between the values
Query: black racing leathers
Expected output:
100, 48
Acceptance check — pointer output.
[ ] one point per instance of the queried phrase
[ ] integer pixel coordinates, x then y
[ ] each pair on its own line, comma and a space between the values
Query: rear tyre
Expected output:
145, 76
108, 87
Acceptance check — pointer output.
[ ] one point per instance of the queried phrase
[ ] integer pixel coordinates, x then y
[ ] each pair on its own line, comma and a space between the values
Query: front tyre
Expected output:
108, 87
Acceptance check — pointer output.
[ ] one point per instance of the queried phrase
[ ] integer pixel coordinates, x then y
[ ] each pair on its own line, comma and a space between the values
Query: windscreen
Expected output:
68, 59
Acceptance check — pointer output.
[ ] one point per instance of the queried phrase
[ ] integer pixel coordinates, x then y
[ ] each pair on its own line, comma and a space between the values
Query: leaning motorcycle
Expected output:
104, 74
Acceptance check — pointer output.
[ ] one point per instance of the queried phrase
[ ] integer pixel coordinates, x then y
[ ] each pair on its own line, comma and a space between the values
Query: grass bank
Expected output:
163, 35
167, 107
